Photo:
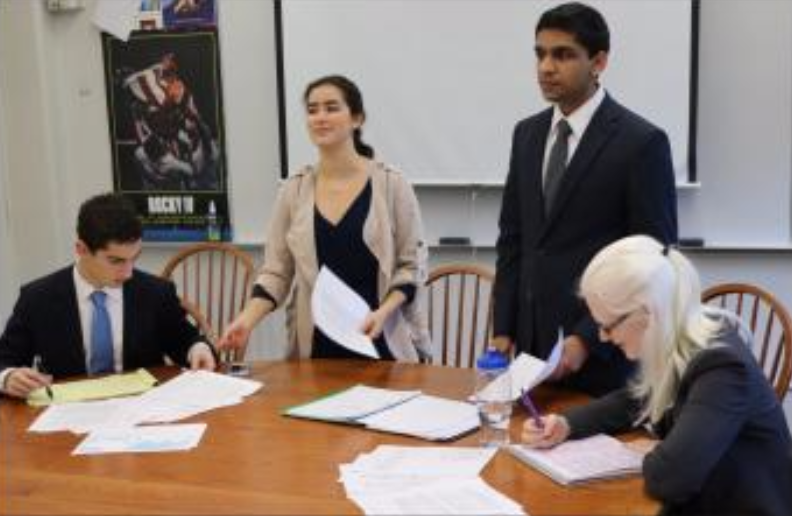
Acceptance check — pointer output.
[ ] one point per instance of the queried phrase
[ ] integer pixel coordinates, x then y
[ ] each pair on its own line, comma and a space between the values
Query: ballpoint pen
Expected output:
531, 408
38, 367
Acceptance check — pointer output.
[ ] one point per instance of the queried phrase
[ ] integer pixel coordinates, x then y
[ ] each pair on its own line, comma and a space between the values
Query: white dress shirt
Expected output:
578, 122
114, 302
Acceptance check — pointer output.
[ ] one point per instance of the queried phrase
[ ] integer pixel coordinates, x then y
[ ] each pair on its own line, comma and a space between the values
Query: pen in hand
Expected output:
40, 368
531, 408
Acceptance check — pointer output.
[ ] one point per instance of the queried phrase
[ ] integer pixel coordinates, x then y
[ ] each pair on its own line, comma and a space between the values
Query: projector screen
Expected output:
445, 81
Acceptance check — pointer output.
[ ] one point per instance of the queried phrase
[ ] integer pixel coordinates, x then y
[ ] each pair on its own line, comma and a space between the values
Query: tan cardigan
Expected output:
393, 233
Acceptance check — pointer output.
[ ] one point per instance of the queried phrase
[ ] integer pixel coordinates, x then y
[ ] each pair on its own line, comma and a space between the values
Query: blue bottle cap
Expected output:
492, 359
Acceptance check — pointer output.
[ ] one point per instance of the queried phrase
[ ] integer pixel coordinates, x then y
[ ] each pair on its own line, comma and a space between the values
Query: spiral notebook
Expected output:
583, 460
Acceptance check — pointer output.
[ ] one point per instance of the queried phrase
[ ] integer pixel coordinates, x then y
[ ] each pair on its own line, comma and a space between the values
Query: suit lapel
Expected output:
129, 322
536, 142
598, 132
65, 302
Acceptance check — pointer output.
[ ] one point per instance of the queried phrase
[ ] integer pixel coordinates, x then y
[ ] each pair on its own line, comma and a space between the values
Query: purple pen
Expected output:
531, 408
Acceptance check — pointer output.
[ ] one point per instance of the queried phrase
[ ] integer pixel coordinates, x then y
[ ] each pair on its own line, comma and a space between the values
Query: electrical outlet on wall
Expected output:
58, 6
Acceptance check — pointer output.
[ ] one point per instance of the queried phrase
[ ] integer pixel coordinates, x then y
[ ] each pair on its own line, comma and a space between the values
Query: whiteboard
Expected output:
445, 81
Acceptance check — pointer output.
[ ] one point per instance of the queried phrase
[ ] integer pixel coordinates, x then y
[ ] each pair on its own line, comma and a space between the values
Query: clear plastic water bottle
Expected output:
493, 397
212, 225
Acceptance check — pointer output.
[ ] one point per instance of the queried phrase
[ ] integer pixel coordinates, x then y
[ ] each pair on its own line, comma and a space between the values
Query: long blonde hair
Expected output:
638, 272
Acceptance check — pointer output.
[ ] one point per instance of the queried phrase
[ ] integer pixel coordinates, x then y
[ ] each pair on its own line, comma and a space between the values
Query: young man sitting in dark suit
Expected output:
99, 315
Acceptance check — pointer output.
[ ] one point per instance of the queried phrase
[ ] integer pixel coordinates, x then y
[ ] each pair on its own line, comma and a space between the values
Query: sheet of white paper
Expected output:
448, 496
526, 371
339, 312
425, 416
352, 404
118, 17
141, 439
80, 417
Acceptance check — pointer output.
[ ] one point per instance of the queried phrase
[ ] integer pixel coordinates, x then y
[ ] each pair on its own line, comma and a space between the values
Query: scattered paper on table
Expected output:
141, 439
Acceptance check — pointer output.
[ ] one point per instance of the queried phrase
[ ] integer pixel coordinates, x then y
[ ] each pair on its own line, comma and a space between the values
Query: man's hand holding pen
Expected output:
24, 380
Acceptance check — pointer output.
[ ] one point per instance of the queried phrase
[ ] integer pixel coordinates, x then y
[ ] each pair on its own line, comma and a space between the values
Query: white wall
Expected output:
7, 266
55, 136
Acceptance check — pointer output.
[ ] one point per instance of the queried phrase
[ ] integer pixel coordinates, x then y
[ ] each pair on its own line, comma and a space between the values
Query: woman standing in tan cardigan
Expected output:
353, 215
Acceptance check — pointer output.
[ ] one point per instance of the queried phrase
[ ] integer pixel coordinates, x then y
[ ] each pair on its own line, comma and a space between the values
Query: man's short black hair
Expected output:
108, 218
585, 23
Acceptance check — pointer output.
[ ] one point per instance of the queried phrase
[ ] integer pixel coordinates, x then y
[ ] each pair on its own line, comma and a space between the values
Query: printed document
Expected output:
340, 312
402, 412
80, 417
424, 480
141, 439
428, 417
351, 404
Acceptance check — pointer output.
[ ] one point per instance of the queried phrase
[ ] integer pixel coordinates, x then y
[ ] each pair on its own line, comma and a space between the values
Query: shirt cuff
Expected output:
261, 292
408, 290
198, 345
4, 374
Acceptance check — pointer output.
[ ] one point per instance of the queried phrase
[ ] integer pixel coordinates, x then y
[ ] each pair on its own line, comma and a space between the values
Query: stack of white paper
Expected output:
111, 424
190, 393
407, 480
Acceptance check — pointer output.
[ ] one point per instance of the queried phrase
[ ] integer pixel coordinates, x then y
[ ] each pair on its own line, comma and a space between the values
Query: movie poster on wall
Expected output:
166, 132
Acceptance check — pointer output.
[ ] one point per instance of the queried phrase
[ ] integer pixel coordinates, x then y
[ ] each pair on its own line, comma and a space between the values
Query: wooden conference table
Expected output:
252, 460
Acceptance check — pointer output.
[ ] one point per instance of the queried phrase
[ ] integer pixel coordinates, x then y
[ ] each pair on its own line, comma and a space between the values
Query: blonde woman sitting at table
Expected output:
723, 444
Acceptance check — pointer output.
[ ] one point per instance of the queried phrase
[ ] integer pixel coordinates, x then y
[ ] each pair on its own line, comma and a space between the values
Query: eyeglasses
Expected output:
609, 328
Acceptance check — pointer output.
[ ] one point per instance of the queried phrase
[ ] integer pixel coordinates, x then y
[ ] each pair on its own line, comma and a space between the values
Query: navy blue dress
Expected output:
341, 248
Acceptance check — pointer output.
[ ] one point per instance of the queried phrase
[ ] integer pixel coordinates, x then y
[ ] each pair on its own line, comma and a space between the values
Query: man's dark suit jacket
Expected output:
46, 322
619, 182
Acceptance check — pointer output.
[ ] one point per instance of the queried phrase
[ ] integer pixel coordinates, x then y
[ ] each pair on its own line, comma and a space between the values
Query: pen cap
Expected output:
491, 360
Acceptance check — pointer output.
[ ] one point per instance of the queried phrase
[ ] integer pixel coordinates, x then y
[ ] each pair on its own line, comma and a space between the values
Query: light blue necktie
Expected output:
101, 337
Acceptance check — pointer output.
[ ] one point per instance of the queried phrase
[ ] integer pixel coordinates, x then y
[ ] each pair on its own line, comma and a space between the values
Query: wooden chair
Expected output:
459, 300
770, 323
213, 278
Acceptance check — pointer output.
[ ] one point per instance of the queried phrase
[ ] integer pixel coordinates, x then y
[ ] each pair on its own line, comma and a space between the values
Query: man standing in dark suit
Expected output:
99, 315
584, 173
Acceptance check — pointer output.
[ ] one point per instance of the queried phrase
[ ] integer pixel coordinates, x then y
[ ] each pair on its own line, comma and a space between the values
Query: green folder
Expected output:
94, 389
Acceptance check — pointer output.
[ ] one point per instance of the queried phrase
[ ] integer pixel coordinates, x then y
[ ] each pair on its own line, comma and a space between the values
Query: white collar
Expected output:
580, 118
85, 289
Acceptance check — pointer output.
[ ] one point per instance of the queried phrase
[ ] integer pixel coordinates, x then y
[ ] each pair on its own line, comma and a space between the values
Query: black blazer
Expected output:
726, 447
46, 322
619, 182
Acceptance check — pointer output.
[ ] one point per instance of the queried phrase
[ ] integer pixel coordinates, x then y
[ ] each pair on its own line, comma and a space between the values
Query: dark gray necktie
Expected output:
556, 163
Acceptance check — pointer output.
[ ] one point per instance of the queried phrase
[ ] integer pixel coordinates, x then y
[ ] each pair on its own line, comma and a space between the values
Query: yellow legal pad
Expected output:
93, 389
